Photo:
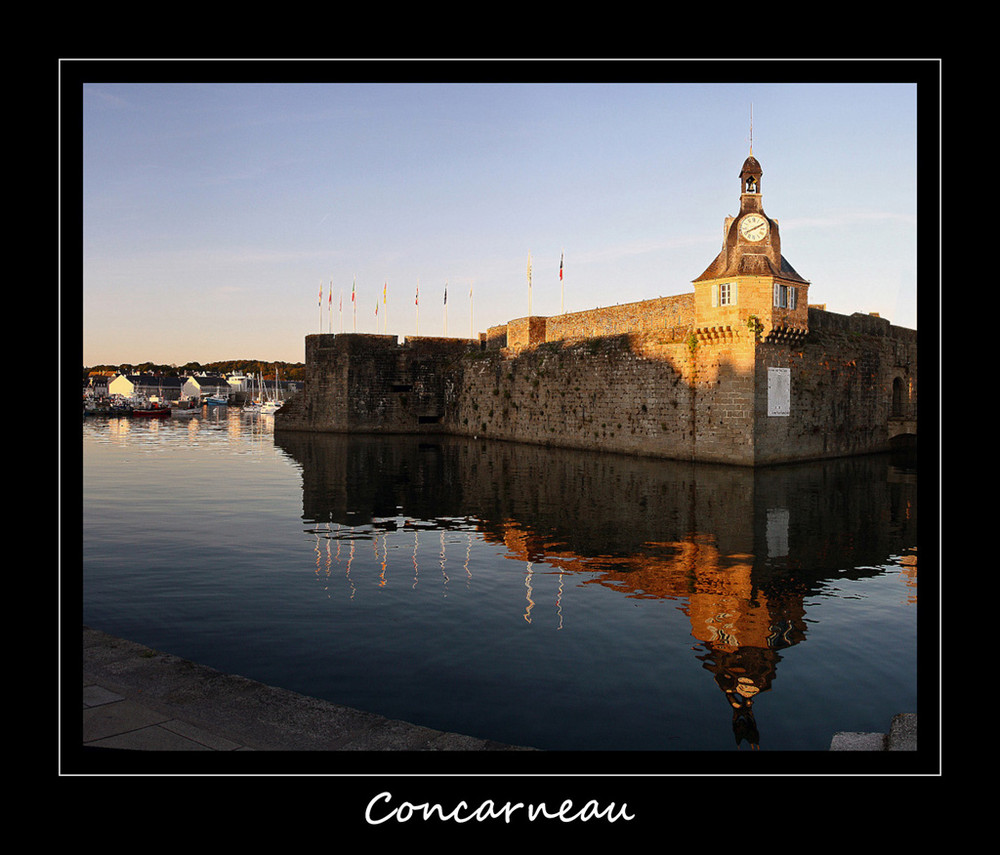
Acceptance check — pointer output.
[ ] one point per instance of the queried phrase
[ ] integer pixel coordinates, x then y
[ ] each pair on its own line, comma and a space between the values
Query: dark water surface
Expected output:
541, 597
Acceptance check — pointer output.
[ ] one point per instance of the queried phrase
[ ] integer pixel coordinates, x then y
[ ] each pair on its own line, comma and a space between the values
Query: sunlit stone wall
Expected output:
672, 315
640, 394
669, 391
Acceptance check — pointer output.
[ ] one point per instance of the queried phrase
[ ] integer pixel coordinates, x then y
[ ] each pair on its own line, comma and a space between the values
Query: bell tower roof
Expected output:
751, 168
751, 241
750, 199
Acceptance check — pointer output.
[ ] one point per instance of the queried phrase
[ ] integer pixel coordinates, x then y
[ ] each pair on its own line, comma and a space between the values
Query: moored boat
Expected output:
270, 407
153, 411
114, 405
184, 408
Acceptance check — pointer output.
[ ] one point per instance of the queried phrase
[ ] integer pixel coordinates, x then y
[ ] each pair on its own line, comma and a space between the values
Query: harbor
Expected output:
512, 593
158, 396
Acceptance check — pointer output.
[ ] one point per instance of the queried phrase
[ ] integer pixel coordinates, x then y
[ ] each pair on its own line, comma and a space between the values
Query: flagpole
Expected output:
330, 306
562, 286
416, 302
446, 309
354, 302
471, 322
529, 283
340, 309
385, 307
321, 306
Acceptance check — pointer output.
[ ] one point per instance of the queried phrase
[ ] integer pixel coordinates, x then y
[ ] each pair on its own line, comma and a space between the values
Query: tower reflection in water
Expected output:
740, 551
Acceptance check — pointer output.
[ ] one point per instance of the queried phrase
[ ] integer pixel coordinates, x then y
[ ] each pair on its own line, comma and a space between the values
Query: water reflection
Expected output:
740, 551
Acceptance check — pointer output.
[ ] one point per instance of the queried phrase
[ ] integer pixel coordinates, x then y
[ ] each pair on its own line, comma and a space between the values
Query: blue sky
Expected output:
213, 213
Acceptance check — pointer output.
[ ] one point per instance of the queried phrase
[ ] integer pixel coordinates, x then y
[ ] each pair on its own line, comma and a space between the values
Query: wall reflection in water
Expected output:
739, 550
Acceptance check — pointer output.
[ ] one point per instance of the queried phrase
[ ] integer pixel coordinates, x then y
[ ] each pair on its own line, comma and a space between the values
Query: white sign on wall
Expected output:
779, 391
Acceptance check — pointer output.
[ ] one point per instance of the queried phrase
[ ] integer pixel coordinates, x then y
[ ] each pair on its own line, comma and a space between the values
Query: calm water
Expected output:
551, 598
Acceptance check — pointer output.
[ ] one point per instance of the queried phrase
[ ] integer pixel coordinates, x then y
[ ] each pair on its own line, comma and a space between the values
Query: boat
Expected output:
253, 405
217, 400
269, 408
153, 411
115, 405
185, 408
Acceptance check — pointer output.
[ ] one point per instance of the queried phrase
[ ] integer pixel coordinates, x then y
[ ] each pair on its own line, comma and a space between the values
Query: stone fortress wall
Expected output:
638, 378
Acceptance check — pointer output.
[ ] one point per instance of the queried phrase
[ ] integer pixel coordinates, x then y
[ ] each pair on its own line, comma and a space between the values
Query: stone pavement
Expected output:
138, 698
902, 736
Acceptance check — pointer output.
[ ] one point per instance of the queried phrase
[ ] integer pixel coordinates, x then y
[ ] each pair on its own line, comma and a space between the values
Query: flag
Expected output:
529, 268
384, 288
321, 295
560, 266
354, 288
446, 293
416, 301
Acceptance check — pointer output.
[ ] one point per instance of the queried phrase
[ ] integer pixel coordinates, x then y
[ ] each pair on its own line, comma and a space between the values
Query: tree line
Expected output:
286, 370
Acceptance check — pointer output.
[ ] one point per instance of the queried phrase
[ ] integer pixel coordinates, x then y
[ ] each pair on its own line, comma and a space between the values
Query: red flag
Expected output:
560, 266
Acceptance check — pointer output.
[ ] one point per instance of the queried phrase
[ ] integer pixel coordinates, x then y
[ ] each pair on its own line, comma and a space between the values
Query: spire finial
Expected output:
751, 128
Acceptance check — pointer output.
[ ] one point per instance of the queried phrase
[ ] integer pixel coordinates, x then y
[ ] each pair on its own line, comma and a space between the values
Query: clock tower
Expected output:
750, 278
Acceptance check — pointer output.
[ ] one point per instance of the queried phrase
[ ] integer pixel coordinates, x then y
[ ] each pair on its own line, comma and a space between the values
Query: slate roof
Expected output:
150, 380
749, 265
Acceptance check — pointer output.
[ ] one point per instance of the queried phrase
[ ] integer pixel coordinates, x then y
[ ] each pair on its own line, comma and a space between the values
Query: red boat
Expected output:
152, 412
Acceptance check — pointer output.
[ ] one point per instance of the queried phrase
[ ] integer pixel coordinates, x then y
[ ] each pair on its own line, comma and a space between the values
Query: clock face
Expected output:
753, 227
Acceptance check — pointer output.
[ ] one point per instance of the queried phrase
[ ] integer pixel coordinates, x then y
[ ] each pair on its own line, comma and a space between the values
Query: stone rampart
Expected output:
718, 394
843, 378
617, 393
372, 383
674, 315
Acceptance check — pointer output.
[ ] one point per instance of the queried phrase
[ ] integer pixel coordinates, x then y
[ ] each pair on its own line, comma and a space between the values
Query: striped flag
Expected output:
354, 288
560, 266
446, 293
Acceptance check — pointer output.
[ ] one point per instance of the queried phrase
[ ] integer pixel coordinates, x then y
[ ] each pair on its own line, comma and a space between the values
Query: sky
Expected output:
219, 217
